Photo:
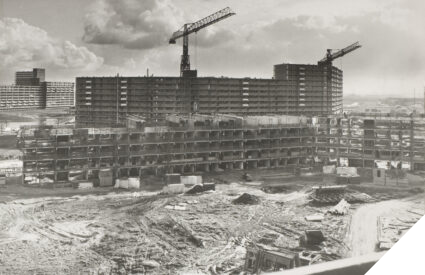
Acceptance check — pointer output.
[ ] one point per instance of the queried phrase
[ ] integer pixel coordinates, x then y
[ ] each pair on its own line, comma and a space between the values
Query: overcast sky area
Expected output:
106, 37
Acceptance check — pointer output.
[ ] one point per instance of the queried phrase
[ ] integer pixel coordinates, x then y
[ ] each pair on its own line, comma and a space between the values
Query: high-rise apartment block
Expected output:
318, 87
30, 78
295, 90
32, 91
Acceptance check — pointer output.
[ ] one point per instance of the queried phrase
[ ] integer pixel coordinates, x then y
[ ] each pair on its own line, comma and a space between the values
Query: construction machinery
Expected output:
332, 56
189, 28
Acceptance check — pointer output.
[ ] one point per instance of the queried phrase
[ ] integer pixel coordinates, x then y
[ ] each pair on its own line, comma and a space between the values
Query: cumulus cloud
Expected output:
26, 46
386, 63
135, 24
214, 36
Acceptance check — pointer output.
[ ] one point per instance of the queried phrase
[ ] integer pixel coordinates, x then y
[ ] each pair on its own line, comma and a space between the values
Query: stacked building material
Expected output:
105, 177
172, 178
347, 175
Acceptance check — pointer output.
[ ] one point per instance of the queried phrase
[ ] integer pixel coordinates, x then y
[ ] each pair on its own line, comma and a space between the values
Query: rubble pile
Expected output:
246, 198
341, 208
391, 229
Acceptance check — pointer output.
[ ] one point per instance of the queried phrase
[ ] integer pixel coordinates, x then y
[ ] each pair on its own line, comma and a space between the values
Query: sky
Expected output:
106, 37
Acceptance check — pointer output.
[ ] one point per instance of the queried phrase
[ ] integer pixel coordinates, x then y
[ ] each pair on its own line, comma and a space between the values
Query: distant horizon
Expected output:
378, 95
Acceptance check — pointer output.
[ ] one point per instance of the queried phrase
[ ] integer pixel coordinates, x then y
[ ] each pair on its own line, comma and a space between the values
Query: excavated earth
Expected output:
146, 232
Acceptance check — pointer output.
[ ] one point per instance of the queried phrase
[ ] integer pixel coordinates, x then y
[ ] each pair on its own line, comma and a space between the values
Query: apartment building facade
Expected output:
30, 78
372, 141
32, 91
63, 155
319, 88
20, 97
58, 94
295, 90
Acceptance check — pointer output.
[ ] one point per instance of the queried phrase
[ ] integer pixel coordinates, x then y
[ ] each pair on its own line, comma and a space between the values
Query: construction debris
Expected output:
329, 169
191, 180
127, 183
312, 237
106, 177
171, 178
180, 207
335, 193
328, 194
84, 185
174, 189
246, 177
151, 263
341, 208
391, 229
199, 188
315, 218
246, 198
258, 258
203, 233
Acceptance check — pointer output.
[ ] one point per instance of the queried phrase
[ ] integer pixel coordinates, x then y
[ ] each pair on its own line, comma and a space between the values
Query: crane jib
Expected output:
189, 28
332, 56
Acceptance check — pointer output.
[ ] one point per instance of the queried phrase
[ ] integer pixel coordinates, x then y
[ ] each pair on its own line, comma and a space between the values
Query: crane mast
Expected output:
189, 28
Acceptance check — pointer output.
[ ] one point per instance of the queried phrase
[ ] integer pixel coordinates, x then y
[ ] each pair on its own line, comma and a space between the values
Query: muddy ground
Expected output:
144, 231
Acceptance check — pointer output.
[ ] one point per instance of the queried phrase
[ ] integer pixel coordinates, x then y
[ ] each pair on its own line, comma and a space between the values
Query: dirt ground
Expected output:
107, 232
130, 233
12, 120
363, 233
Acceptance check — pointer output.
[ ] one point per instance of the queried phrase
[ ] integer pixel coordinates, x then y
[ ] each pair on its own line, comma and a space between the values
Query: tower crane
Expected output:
189, 28
332, 56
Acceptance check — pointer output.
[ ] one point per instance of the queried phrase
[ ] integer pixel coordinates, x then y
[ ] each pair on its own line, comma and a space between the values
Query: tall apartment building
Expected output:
32, 91
20, 97
318, 87
30, 78
58, 94
295, 90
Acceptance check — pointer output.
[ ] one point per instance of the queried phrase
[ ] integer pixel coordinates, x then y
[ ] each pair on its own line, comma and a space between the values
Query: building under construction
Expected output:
295, 89
372, 141
185, 145
139, 126
204, 143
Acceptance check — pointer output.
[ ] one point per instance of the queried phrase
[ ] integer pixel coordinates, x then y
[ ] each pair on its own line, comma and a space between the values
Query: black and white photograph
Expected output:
209, 137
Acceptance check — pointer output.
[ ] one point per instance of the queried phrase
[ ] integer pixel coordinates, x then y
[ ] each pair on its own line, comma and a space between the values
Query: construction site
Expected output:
295, 89
205, 175
202, 143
